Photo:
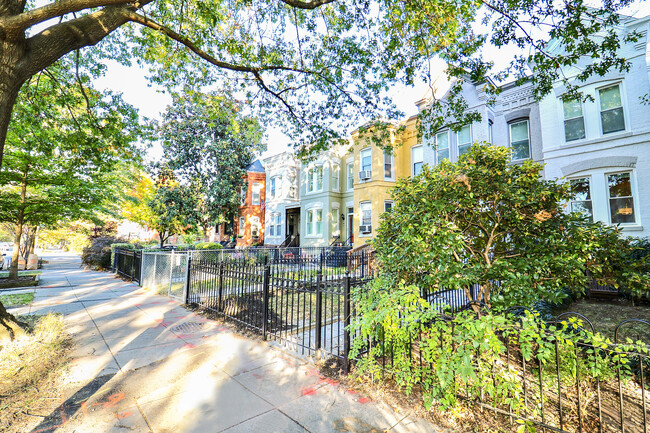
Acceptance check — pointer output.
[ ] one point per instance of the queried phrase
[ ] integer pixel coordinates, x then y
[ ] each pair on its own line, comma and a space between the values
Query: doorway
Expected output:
350, 226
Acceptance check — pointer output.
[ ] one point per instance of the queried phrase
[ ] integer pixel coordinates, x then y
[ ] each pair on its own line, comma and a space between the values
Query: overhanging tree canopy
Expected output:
318, 66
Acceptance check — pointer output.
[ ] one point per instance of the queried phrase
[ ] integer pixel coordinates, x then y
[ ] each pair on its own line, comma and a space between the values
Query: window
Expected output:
255, 227
366, 160
417, 160
442, 145
621, 201
275, 187
315, 222
257, 194
519, 141
574, 122
242, 196
315, 179
611, 110
581, 202
388, 206
336, 176
366, 214
490, 126
242, 225
388, 166
275, 228
335, 222
464, 138
350, 178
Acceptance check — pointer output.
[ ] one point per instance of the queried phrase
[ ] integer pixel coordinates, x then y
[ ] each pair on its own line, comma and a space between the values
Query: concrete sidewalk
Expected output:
143, 363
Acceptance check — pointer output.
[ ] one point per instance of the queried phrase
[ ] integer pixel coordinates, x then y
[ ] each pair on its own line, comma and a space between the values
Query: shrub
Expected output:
98, 254
208, 246
482, 220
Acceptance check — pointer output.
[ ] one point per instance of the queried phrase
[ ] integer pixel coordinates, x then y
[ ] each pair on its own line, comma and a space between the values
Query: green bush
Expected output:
208, 246
99, 254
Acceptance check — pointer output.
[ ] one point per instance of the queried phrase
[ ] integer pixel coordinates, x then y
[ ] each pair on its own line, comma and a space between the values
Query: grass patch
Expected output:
16, 299
20, 273
30, 368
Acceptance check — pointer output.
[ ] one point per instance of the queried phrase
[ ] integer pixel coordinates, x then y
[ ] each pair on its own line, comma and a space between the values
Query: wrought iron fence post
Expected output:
188, 263
171, 273
363, 264
319, 311
220, 288
346, 330
265, 304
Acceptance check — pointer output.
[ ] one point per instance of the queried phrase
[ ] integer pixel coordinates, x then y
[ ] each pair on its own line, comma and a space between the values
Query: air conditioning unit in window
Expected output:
365, 229
365, 174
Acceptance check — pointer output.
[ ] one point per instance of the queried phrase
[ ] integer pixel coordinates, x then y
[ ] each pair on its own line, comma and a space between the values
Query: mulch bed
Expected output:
22, 281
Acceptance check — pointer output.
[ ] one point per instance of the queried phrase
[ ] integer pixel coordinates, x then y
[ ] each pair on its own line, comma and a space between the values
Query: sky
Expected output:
151, 100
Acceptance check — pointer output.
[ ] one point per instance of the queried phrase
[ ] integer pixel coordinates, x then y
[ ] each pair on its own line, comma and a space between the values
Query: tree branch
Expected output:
17, 23
51, 44
306, 5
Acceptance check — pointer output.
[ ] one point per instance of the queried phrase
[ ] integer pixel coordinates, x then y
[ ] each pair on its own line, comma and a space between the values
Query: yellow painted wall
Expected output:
375, 190
408, 139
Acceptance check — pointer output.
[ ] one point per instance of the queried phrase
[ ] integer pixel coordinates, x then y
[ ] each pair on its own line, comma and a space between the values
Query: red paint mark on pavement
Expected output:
308, 391
257, 376
364, 400
189, 346
123, 415
351, 391
164, 324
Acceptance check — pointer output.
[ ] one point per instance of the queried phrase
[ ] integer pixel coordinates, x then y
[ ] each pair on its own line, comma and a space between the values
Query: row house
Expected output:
282, 209
602, 144
249, 224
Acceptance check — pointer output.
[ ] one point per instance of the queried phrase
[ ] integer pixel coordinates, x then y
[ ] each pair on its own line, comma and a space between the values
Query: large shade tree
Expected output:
208, 142
64, 154
315, 65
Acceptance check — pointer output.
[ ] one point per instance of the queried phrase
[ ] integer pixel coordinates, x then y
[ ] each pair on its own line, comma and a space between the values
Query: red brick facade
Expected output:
252, 211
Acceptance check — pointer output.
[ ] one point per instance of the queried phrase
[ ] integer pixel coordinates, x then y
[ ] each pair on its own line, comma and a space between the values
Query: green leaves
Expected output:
483, 220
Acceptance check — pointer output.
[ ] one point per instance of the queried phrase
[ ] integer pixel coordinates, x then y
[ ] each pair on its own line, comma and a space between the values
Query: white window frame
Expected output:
242, 226
390, 162
584, 121
256, 186
242, 195
469, 143
362, 222
413, 162
336, 177
365, 152
336, 222
350, 176
515, 122
391, 203
436, 139
599, 109
634, 196
312, 226
600, 195
591, 195
490, 131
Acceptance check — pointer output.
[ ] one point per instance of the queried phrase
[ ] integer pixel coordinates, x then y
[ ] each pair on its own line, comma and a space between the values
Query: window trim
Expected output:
312, 178
392, 166
469, 144
361, 156
361, 222
435, 142
314, 224
392, 205
584, 121
259, 185
635, 198
514, 122
589, 177
413, 148
597, 90
336, 174
349, 176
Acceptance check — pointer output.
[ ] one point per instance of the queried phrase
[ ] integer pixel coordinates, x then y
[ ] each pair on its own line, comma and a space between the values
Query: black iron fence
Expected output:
300, 297
128, 263
574, 384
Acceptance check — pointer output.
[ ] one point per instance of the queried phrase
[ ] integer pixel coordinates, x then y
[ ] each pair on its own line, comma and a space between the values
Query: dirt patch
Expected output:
21, 281
605, 315
31, 370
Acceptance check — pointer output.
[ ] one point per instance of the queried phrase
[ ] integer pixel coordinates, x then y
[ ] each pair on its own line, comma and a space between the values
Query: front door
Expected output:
350, 225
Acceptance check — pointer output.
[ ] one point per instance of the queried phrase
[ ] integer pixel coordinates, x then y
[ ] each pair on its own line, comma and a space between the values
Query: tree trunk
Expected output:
10, 83
13, 270
10, 327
